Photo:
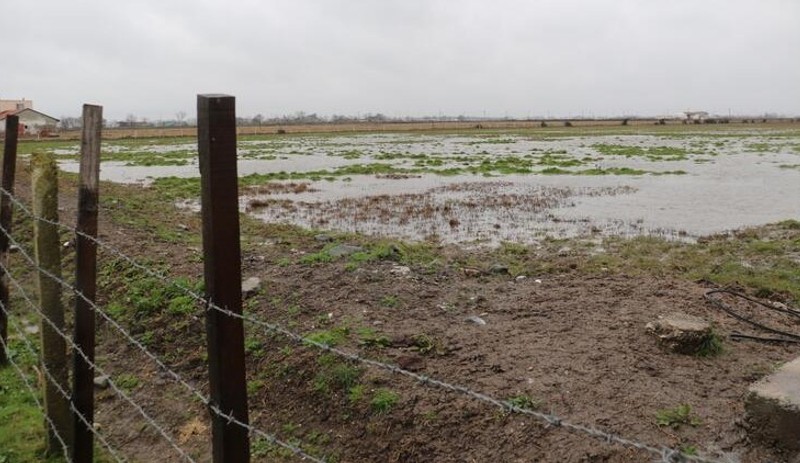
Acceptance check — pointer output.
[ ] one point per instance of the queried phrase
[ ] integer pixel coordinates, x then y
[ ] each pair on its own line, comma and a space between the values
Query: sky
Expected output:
499, 58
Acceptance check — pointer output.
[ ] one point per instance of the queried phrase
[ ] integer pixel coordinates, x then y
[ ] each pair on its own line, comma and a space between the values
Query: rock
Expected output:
520, 277
250, 286
565, 251
680, 332
32, 329
183, 227
400, 270
476, 320
323, 238
13, 248
101, 381
499, 269
772, 407
471, 272
344, 250
537, 281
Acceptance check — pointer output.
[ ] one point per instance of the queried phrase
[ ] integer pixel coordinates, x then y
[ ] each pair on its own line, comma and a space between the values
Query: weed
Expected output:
127, 382
712, 346
384, 400
369, 338
390, 301
335, 375
677, 416
524, 401
330, 337
355, 393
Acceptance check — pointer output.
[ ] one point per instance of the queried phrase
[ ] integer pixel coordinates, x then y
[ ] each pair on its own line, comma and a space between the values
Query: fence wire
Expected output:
132, 340
34, 393
51, 379
663, 454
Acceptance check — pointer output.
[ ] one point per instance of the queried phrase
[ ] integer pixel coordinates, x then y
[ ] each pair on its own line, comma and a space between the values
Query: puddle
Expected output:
728, 181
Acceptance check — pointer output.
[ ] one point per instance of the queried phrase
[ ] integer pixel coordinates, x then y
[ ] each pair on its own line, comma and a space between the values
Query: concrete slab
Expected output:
773, 407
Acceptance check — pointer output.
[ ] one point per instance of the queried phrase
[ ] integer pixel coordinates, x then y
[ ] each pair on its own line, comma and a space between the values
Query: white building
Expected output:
31, 122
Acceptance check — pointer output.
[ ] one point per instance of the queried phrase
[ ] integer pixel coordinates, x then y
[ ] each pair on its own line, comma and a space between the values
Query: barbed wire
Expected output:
130, 338
117, 390
65, 394
666, 454
31, 389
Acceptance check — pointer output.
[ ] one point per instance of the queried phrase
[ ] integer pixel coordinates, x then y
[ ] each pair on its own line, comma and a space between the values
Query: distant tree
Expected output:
71, 123
180, 117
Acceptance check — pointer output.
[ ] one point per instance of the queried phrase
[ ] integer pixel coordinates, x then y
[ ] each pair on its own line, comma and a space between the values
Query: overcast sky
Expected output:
404, 57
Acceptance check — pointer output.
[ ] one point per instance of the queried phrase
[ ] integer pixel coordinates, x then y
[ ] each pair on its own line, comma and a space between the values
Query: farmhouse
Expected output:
31, 122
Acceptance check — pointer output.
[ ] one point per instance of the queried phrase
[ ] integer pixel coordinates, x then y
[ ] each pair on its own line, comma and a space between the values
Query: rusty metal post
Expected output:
86, 283
216, 141
9, 169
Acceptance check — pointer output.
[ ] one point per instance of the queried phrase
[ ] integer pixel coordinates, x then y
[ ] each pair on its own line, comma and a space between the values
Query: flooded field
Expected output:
485, 188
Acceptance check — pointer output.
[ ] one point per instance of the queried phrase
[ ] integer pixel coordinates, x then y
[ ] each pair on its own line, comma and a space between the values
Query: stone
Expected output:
520, 277
400, 270
680, 332
101, 381
13, 248
499, 269
32, 329
250, 286
772, 407
476, 320
344, 250
183, 227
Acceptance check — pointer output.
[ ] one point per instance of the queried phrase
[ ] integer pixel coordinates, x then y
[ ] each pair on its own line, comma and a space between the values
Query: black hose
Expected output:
787, 337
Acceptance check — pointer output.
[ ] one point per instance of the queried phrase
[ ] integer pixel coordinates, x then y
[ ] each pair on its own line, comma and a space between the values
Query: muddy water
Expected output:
730, 182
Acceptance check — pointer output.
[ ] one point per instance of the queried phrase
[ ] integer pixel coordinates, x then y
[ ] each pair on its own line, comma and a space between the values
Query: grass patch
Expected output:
677, 416
383, 400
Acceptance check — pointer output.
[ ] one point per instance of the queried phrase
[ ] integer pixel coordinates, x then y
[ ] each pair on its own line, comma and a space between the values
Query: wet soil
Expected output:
570, 342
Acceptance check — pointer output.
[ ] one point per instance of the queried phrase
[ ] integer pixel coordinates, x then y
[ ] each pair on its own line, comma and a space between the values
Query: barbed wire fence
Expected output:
230, 417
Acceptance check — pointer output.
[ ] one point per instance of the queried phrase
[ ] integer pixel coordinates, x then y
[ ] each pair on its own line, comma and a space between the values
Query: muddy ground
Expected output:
567, 339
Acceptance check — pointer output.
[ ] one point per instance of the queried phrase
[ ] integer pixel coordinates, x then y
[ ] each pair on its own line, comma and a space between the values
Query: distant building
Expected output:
696, 116
31, 122
15, 105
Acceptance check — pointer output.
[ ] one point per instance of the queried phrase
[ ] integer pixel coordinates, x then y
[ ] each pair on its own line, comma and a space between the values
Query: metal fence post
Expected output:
86, 282
216, 140
9, 169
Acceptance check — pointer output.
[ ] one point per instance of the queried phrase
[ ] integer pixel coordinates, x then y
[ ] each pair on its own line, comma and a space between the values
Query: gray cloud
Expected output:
409, 57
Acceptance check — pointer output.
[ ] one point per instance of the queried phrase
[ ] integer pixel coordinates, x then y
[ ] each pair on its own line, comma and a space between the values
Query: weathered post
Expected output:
44, 189
9, 169
86, 283
216, 141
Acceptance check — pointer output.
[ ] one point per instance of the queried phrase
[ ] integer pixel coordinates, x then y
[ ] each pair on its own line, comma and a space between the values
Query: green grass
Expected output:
677, 416
22, 433
712, 346
383, 400
524, 401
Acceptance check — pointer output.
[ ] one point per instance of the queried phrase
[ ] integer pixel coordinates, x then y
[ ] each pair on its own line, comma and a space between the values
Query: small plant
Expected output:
253, 346
390, 301
127, 382
524, 401
355, 393
677, 416
330, 337
712, 346
369, 338
384, 400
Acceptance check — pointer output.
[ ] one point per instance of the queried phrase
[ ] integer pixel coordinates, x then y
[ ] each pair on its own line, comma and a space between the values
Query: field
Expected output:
521, 263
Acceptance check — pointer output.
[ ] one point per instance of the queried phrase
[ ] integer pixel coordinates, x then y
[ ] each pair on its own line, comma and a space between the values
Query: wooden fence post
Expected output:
44, 188
216, 141
86, 283
9, 169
